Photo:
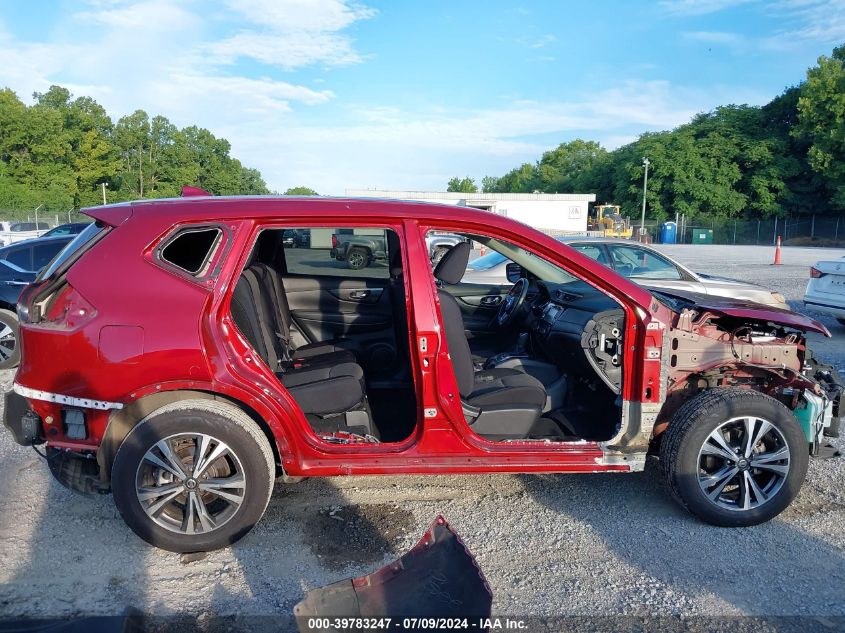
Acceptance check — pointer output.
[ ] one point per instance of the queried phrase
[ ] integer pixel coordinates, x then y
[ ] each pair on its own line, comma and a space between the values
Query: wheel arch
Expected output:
122, 421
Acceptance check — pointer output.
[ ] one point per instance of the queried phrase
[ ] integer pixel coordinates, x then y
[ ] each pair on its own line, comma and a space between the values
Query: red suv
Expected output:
183, 354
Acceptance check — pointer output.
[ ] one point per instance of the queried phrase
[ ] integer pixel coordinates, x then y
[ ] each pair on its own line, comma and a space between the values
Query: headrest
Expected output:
452, 267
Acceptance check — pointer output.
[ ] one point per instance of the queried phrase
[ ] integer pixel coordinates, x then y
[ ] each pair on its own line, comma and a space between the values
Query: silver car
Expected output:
826, 289
640, 263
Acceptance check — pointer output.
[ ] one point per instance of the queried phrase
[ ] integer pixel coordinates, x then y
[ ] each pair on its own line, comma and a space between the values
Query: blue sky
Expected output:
335, 94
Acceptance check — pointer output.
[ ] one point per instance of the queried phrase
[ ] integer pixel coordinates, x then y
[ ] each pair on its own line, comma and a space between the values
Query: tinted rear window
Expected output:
73, 250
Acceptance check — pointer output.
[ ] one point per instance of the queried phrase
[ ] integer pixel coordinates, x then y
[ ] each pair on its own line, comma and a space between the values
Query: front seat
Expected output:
498, 404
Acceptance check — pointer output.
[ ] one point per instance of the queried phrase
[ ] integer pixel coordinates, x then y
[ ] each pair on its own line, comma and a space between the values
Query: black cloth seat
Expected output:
486, 389
312, 354
326, 392
504, 387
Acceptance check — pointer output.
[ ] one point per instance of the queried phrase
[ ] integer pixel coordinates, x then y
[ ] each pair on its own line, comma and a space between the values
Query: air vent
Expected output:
566, 297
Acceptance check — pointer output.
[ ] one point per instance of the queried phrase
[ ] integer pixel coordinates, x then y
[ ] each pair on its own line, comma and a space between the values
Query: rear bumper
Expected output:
824, 307
21, 421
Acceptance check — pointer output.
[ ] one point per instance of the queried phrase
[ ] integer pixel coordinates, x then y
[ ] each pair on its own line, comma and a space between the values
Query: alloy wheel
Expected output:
8, 342
356, 259
190, 483
743, 463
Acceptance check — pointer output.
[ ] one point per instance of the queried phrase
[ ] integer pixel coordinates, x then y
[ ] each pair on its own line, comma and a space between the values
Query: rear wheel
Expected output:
734, 457
357, 258
193, 476
10, 353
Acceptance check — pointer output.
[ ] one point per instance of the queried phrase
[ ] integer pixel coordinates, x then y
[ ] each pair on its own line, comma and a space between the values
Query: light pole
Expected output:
104, 185
646, 163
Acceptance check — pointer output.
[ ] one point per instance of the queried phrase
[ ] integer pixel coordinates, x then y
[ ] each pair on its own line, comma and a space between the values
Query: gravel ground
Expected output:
553, 545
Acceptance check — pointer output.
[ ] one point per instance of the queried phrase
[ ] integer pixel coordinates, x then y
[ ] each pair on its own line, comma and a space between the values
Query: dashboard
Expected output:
579, 329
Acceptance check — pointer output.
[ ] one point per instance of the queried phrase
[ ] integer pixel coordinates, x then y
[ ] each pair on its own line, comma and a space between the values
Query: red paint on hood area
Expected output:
758, 312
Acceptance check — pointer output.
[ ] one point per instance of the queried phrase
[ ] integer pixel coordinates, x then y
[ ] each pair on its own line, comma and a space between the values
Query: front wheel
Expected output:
10, 353
193, 476
734, 457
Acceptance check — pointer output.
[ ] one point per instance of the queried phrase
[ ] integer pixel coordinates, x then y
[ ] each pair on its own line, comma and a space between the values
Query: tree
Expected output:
821, 121
301, 191
565, 168
462, 185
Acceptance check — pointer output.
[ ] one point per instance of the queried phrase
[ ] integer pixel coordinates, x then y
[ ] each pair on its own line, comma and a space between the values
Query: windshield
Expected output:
540, 268
74, 248
488, 261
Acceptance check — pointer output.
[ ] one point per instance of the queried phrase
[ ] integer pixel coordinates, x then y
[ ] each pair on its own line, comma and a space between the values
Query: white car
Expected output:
826, 289
11, 232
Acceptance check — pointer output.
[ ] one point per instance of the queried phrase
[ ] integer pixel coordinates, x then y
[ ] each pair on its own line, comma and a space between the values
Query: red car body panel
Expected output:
755, 312
180, 336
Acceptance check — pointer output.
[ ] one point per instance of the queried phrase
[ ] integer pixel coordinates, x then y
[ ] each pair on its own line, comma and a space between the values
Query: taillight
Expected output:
68, 309
815, 273
26, 300
334, 240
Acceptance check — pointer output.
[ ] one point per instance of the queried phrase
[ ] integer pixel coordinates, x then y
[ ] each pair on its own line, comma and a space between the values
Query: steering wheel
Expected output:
512, 303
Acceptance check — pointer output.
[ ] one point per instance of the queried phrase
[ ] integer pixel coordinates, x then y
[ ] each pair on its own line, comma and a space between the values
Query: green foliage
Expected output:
463, 185
59, 151
738, 161
301, 191
821, 122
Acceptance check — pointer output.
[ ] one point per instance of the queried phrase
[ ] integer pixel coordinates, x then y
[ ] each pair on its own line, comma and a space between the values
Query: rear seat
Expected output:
331, 394
313, 354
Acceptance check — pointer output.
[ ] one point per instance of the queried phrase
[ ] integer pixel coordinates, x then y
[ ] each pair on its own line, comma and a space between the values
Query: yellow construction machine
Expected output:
607, 218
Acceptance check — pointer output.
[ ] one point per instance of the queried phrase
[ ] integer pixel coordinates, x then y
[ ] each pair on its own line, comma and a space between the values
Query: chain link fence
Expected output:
52, 218
810, 230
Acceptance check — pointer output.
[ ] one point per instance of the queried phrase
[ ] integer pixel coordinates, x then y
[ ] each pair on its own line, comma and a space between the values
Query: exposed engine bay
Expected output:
710, 348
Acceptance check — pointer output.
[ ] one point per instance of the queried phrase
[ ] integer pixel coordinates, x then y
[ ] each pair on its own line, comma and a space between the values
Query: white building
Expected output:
551, 212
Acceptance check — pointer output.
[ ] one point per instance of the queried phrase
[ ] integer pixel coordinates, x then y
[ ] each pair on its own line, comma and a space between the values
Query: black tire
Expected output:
438, 254
682, 455
357, 258
10, 352
222, 422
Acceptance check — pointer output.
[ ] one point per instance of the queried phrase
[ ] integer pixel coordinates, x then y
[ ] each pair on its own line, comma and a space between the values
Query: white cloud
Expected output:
543, 41
293, 33
814, 20
393, 148
713, 37
700, 7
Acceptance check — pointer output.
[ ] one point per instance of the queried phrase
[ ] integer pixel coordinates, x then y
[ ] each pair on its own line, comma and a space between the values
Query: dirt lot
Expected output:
585, 544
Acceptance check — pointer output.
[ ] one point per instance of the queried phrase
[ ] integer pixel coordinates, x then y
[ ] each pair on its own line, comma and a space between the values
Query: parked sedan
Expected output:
641, 264
19, 264
71, 228
826, 289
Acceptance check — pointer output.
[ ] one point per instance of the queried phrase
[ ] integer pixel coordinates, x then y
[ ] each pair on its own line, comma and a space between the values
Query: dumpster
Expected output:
702, 236
669, 232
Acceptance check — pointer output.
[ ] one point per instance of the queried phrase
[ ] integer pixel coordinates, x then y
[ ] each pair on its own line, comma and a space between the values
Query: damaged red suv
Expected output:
185, 353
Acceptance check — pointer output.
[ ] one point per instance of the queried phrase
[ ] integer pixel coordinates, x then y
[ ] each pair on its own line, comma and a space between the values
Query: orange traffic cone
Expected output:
777, 261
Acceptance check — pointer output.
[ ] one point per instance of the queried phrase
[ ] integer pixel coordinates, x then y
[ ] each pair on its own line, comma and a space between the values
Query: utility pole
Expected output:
104, 185
36, 216
646, 163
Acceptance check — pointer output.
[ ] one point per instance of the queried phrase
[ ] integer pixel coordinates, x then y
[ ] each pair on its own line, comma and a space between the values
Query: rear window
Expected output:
73, 250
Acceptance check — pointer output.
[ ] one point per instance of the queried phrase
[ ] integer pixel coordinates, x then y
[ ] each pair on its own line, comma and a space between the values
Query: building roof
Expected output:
470, 197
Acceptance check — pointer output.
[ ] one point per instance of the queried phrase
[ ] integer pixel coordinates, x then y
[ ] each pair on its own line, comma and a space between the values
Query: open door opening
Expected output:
325, 308
537, 352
